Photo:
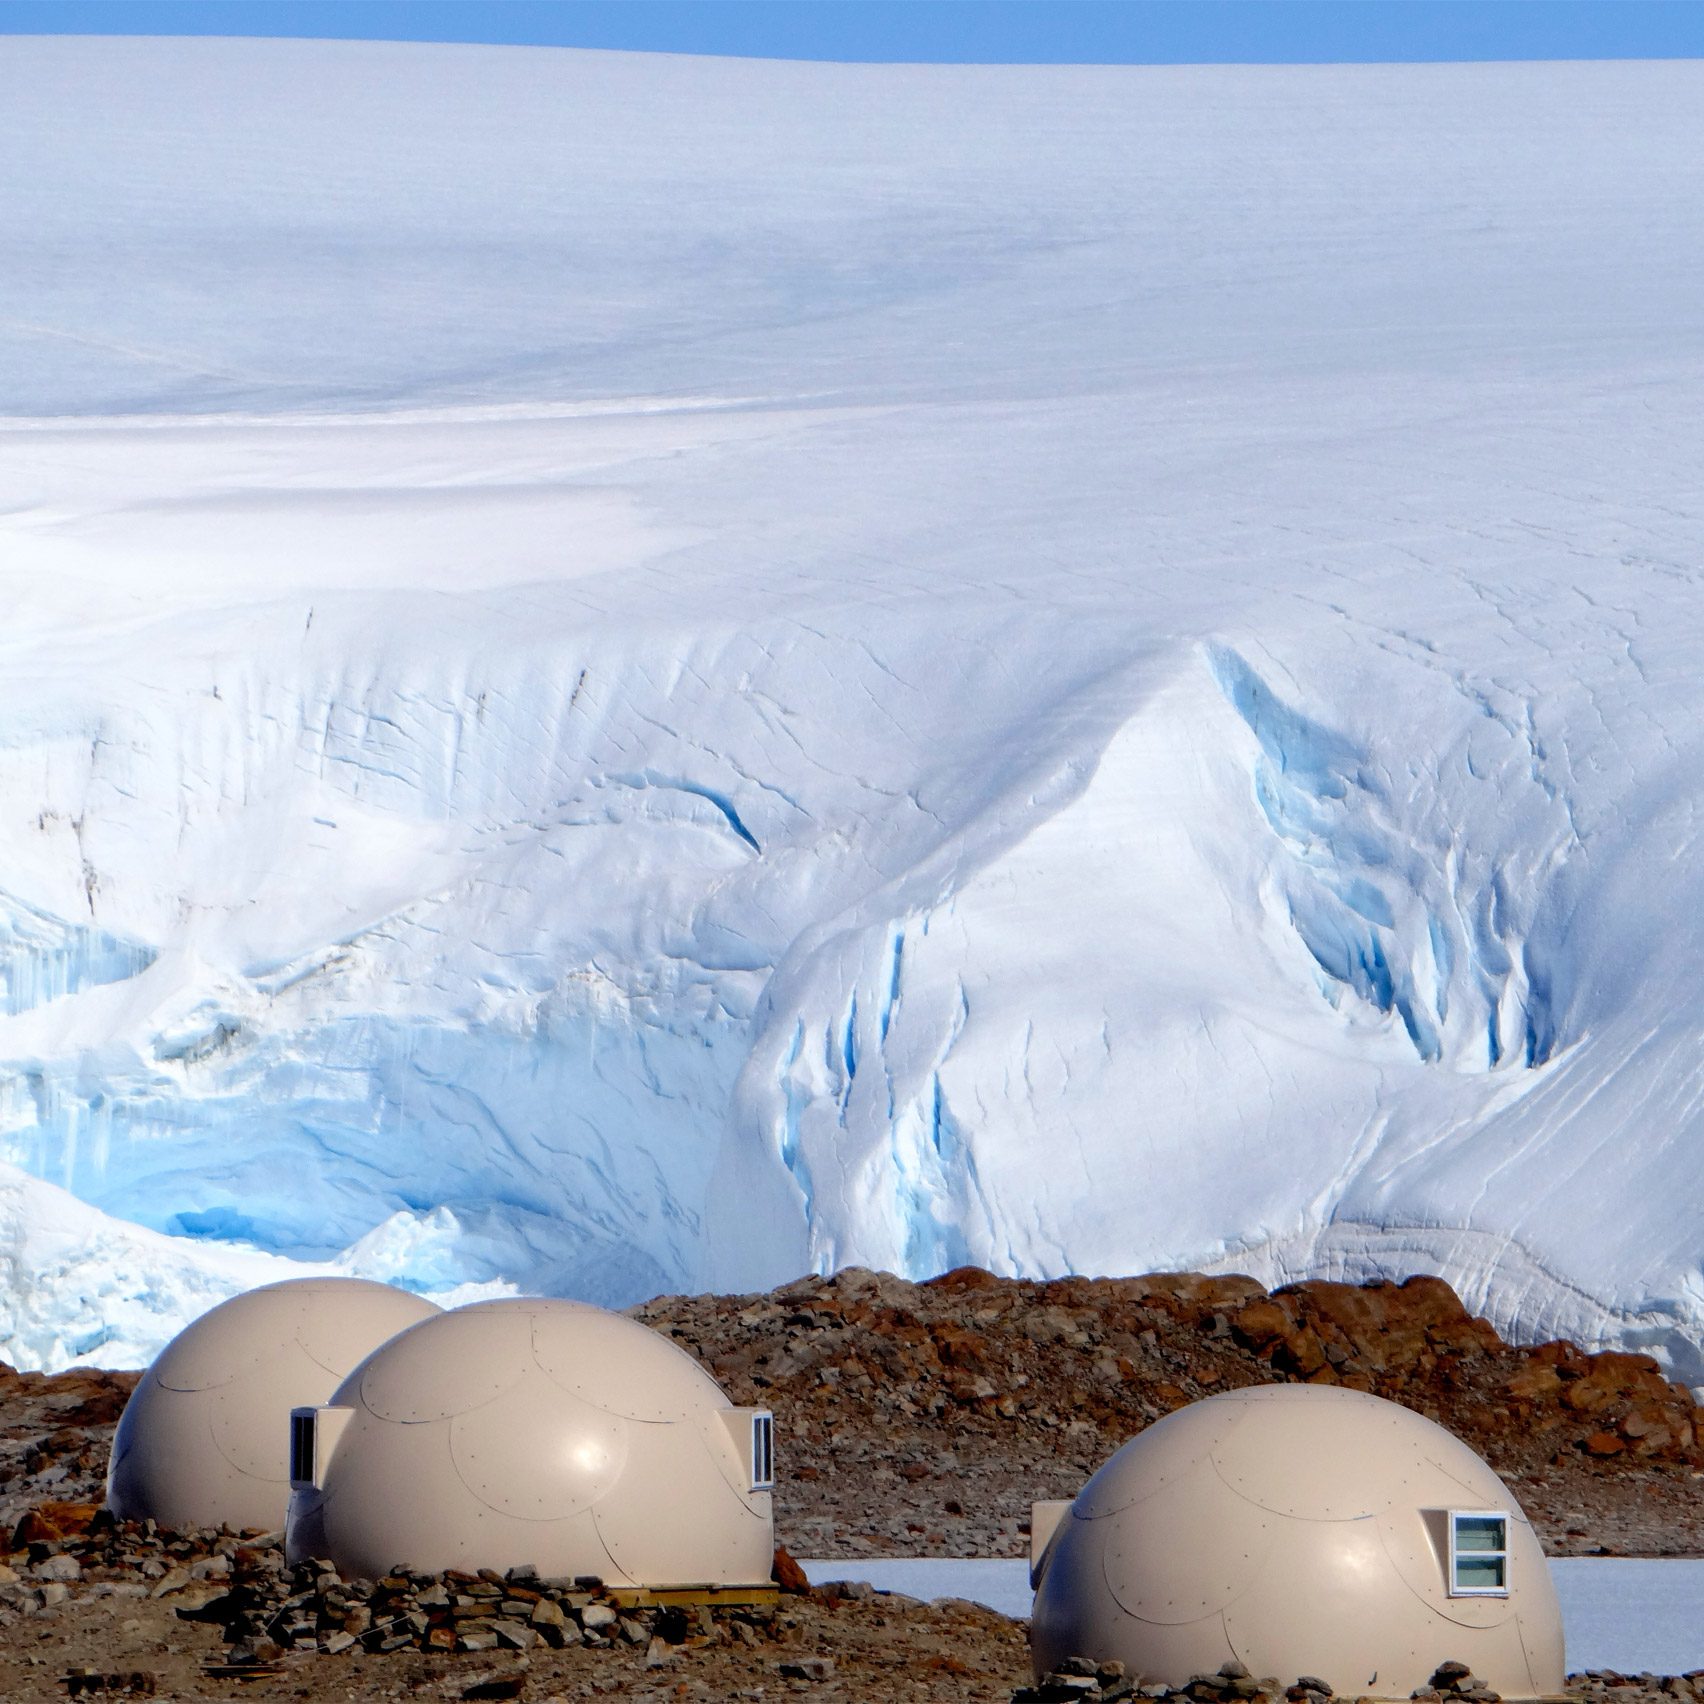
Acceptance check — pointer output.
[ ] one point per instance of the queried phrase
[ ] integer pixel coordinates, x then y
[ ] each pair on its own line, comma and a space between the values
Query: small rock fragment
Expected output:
808, 1668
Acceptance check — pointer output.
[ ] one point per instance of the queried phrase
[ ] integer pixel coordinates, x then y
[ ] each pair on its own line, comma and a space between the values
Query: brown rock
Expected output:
53, 1523
1261, 1323
787, 1573
808, 1668
963, 1278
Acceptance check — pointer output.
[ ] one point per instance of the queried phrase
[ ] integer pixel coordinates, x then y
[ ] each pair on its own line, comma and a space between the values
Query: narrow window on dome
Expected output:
1479, 1553
762, 1451
302, 1448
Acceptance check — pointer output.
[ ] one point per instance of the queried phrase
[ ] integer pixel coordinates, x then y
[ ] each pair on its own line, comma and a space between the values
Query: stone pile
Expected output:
241, 1583
87, 1682
269, 1608
66, 1549
1080, 1678
1456, 1680
1083, 1678
1598, 1685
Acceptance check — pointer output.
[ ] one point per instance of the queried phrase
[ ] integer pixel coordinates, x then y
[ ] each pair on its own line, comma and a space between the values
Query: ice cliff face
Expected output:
629, 674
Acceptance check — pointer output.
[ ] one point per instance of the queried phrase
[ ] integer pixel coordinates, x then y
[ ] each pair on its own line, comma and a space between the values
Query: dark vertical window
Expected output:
302, 1442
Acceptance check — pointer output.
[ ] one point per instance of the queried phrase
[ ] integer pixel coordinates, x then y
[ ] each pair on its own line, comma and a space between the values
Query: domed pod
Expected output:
205, 1437
536, 1432
1298, 1530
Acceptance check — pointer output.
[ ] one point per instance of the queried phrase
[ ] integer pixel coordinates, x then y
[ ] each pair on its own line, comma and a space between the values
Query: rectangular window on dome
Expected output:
302, 1447
762, 1451
1479, 1553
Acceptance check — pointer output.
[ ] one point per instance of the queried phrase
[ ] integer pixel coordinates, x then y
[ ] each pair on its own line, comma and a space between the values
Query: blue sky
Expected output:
1048, 31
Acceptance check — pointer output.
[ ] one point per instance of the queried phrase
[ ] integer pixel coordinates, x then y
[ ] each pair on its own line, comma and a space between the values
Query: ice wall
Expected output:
628, 674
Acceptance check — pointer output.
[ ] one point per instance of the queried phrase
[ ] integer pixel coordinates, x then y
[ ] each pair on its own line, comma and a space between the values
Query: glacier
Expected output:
628, 673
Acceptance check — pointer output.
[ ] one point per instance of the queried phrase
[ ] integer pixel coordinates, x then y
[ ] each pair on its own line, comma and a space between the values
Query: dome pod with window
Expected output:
1298, 1530
542, 1433
204, 1440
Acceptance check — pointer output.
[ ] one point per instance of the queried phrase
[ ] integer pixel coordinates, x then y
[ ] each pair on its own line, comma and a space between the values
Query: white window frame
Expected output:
313, 1436
1455, 1587
762, 1450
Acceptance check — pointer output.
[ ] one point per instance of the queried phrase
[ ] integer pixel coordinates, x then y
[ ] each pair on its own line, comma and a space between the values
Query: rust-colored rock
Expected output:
958, 1347
964, 1278
1533, 1381
787, 1573
52, 1523
1260, 1324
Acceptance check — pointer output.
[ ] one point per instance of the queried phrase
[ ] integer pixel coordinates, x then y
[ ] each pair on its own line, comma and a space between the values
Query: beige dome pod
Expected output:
205, 1438
1298, 1530
542, 1433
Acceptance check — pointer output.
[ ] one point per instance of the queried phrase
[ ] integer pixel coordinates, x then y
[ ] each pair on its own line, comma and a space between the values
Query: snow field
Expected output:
632, 674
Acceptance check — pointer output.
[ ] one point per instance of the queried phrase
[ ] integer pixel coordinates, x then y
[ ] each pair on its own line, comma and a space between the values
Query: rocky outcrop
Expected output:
951, 1404
1400, 1340
1122, 1351
55, 1432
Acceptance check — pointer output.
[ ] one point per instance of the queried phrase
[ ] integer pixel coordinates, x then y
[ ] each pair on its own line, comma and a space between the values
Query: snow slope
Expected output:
629, 673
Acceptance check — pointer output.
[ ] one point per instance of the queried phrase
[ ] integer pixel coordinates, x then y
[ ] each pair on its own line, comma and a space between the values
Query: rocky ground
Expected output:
112, 1612
911, 1419
87, 1616
106, 1634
